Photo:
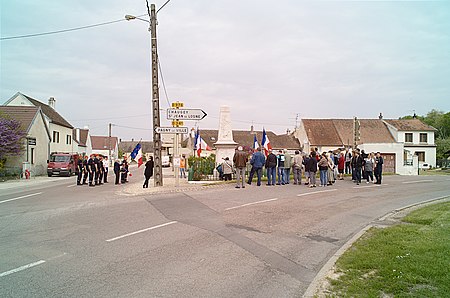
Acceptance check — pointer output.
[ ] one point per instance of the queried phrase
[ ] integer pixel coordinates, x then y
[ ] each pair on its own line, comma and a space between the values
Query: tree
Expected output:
11, 135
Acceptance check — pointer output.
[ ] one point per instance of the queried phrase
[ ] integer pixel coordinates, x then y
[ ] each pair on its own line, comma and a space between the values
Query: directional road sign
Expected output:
186, 114
171, 130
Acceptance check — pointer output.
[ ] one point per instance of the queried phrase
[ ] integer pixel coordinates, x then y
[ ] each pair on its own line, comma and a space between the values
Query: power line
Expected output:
163, 83
64, 30
129, 127
162, 6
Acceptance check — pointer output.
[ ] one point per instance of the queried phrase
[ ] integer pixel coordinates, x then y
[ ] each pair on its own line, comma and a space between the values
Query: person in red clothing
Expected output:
341, 165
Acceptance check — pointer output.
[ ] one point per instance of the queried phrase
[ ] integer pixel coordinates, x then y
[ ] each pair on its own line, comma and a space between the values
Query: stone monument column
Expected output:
225, 144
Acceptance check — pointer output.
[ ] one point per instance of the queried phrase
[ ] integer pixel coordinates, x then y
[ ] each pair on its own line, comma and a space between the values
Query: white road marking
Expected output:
367, 186
72, 185
314, 192
417, 181
21, 268
140, 231
248, 204
22, 197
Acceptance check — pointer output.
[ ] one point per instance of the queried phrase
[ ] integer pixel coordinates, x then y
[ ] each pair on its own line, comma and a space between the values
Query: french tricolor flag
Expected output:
200, 144
265, 142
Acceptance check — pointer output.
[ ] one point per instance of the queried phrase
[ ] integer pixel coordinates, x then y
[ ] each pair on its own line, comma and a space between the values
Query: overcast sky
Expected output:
267, 60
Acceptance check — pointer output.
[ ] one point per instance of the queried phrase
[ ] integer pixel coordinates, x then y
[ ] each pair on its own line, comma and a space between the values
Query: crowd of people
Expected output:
93, 170
331, 165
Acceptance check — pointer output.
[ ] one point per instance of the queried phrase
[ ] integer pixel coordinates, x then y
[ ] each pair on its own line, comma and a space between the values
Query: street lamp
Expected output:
155, 94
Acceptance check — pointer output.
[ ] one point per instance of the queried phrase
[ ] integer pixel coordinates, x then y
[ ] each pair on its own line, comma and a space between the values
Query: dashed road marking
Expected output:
141, 231
314, 192
22, 197
417, 181
248, 204
21, 268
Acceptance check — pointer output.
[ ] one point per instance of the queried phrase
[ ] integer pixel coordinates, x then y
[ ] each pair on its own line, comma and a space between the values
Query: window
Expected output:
421, 155
408, 137
55, 136
68, 139
32, 156
424, 138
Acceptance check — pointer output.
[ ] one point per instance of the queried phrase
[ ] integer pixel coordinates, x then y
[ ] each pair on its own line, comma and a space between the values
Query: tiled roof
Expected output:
128, 146
102, 143
410, 125
338, 132
245, 138
25, 115
321, 132
83, 136
49, 112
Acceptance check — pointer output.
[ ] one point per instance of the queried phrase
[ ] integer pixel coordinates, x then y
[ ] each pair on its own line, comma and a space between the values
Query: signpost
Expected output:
172, 130
177, 115
185, 114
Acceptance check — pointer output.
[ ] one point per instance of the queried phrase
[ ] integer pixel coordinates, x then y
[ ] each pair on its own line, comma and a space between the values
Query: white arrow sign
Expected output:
185, 114
171, 130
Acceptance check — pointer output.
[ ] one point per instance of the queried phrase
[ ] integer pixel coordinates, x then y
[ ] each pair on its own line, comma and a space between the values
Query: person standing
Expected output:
183, 166
369, 164
240, 161
287, 166
323, 168
271, 166
341, 165
148, 172
348, 159
92, 169
378, 167
357, 163
306, 167
80, 169
331, 166
106, 169
101, 170
280, 170
312, 169
258, 160
124, 171
227, 169
117, 171
97, 169
85, 169
297, 167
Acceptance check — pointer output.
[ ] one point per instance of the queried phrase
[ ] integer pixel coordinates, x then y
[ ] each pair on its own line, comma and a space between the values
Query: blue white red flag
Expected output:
135, 151
200, 144
265, 143
255, 143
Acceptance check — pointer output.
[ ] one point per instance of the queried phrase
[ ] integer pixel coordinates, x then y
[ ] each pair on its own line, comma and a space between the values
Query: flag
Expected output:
265, 142
200, 144
139, 157
135, 151
255, 143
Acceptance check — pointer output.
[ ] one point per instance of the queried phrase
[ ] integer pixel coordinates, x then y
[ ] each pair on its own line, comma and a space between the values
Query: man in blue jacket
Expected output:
258, 160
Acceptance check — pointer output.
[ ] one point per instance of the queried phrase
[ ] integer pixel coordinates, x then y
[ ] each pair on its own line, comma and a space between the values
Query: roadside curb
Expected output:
314, 286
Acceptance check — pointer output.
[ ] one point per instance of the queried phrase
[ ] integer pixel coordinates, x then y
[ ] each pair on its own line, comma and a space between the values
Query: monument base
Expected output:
224, 150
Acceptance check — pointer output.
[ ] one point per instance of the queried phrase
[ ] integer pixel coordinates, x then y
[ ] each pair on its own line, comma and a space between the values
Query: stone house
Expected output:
102, 145
37, 141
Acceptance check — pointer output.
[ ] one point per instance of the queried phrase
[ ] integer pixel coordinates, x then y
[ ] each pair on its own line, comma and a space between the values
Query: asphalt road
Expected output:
60, 240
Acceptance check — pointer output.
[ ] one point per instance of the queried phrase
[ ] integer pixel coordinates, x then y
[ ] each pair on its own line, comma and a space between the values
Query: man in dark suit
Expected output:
117, 170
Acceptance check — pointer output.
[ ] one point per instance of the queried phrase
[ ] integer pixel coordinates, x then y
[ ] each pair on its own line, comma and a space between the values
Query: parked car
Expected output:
165, 161
62, 164
425, 166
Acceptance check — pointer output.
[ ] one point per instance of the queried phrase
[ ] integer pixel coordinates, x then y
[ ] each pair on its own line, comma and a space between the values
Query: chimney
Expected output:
380, 116
52, 102
77, 134
132, 139
251, 129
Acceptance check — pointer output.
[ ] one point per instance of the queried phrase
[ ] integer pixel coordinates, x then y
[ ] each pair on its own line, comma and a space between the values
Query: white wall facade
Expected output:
62, 145
36, 155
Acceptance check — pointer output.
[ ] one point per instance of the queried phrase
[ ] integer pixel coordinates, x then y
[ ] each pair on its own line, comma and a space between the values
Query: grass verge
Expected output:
411, 259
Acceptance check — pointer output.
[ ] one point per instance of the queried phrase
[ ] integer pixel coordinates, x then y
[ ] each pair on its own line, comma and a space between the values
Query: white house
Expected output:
417, 139
60, 129
37, 141
385, 136
102, 145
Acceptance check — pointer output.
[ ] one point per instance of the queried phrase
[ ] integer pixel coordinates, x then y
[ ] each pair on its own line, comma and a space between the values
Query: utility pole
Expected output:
109, 146
356, 132
155, 100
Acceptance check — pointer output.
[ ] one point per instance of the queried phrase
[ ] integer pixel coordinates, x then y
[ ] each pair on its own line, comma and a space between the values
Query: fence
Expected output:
443, 163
